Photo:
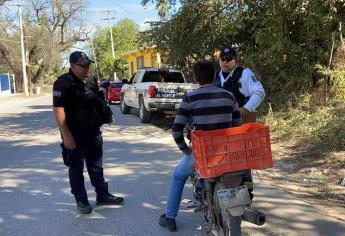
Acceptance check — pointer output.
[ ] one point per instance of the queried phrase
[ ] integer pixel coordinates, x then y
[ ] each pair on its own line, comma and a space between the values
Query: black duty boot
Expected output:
108, 199
84, 206
168, 223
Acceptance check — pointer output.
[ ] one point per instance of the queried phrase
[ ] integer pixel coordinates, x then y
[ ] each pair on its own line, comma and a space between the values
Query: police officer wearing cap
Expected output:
242, 83
78, 111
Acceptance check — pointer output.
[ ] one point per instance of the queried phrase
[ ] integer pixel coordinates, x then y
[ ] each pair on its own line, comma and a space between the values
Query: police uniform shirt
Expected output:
62, 89
74, 94
249, 86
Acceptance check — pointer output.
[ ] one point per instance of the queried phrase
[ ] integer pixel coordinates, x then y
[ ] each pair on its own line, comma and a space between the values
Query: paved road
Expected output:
138, 160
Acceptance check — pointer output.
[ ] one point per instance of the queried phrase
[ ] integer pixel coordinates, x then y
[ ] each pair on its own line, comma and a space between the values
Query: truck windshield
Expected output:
163, 77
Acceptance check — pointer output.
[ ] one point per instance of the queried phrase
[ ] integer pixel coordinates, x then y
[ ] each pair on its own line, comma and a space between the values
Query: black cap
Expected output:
228, 52
80, 58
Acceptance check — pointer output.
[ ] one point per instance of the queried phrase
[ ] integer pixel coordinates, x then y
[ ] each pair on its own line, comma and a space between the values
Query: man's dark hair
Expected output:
204, 72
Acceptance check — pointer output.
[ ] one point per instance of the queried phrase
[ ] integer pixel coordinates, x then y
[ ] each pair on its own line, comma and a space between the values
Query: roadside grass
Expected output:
46, 88
310, 150
319, 128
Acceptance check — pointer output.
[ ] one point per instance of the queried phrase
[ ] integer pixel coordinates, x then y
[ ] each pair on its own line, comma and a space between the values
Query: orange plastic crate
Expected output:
234, 149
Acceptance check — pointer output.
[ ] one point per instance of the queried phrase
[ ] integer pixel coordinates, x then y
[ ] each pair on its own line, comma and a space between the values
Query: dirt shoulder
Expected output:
312, 177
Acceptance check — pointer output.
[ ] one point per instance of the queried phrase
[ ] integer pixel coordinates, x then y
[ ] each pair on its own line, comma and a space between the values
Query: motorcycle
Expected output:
221, 186
223, 198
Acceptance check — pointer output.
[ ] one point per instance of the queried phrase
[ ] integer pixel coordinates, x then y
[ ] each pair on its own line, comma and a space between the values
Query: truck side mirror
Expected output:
124, 81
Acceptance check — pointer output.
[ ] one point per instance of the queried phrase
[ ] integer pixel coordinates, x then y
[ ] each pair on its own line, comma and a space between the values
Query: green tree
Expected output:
51, 27
125, 34
282, 40
162, 6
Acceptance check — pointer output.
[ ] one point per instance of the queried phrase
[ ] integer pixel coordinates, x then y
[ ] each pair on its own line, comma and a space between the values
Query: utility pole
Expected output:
25, 78
111, 38
94, 56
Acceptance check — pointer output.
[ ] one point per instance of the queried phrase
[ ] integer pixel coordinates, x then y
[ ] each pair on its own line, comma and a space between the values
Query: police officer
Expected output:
242, 83
77, 109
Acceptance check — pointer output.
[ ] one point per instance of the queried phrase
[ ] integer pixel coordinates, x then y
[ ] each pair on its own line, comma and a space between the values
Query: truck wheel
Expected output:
123, 107
144, 115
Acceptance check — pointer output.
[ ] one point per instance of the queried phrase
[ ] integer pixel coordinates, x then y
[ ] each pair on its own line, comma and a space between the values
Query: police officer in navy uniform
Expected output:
241, 82
78, 111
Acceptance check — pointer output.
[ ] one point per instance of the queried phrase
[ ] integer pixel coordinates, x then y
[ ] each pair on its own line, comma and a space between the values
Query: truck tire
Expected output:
144, 115
123, 107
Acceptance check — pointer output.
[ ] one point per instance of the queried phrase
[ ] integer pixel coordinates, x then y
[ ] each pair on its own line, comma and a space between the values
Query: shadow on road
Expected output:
34, 185
138, 161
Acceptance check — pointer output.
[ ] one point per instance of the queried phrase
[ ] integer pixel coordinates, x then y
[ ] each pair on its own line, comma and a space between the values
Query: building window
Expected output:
140, 62
132, 68
154, 60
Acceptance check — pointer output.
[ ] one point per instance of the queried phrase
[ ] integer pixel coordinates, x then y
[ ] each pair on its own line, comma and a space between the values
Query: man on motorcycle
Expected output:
206, 108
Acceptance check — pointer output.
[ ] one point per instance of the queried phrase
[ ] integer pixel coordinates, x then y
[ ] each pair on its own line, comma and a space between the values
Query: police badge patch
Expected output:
57, 94
254, 78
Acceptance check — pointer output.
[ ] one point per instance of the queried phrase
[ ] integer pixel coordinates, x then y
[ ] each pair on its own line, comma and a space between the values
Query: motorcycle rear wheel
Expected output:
222, 225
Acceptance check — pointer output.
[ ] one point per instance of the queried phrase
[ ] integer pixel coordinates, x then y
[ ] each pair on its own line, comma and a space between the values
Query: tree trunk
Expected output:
341, 34
327, 79
29, 75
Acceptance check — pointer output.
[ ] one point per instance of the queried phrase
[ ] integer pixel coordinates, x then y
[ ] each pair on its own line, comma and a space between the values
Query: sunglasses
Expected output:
226, 59
84, 66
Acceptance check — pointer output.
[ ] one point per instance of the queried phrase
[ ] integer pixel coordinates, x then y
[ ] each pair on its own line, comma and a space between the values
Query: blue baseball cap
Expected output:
80, 58
228, 52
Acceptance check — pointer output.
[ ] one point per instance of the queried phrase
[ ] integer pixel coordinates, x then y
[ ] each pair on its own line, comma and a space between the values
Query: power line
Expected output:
122, 8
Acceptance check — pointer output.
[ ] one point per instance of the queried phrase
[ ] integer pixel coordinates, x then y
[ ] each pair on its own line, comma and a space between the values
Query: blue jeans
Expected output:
183, 170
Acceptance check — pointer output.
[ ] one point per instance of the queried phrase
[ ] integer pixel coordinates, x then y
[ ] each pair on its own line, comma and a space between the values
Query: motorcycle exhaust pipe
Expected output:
254, 216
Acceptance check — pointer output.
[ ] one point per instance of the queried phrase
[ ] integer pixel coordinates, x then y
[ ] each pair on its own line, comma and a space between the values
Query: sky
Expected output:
96, 11
119, 9
132, 9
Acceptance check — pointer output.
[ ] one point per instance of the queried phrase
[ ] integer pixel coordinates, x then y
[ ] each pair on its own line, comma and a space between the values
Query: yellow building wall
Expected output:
151, 57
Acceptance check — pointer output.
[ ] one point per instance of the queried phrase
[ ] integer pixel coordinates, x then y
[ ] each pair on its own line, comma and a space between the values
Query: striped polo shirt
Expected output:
206, 108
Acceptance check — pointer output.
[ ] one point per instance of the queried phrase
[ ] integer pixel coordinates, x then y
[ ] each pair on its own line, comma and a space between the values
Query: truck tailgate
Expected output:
173, 90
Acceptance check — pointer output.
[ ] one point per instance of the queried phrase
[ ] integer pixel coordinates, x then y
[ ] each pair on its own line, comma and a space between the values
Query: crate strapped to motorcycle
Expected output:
222, 158
233, 149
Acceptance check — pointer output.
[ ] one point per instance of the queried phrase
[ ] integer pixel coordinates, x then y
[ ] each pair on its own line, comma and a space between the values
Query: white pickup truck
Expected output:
153, 89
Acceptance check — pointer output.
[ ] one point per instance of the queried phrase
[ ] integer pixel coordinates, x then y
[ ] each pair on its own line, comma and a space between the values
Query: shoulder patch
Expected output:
57, 94
254, 78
